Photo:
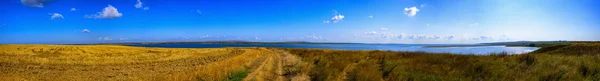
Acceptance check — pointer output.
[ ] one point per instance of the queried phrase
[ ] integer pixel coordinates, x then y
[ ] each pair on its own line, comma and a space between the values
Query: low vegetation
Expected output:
578, 61
573, 61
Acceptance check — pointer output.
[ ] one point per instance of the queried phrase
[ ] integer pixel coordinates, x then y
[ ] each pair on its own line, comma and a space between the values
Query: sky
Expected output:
356, 21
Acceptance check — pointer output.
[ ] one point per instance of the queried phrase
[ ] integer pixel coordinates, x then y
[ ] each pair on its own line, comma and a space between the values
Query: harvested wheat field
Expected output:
114, 62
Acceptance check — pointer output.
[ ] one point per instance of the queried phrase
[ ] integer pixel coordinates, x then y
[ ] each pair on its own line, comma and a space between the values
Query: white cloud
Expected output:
423, 5
139, 4
305, 38
85, 31
382, 34
123, 38
73, 9
108, 12
326, 22
411, 36
205, 36
424, 37
370, 16
313, 37
483, 38
383, 29
400, 36
449, 37
390, 35
105, 38
337, 18
256, 38
418, 37
146, 8
371, 33
33, 3
435, 37
198, 11
56, 15
411, 11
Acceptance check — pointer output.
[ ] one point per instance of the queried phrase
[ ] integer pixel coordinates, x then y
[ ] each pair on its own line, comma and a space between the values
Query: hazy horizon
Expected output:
364, 21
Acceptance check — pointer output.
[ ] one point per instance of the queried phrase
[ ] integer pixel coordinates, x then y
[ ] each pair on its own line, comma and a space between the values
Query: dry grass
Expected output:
222, 69
577, 61
97, 54
113, 62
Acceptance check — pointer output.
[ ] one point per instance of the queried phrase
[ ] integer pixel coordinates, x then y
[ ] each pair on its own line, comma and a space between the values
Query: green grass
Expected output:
572, 62
238, 76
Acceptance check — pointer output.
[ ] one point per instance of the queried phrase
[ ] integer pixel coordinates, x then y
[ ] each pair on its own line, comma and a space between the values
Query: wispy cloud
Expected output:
337, 18
108, 12
256, 38
388, 35
73, 9
85, 31
305, 38
313, 37
400, 36
138, 4
483, 38
417, 37
370, 16
198, 11
105, 38
34, 3
451, 37
435, 37
411, 11
371, 33
56, 15
383, 29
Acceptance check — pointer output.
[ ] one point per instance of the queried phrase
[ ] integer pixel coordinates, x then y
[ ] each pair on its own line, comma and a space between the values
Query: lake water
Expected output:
478, 50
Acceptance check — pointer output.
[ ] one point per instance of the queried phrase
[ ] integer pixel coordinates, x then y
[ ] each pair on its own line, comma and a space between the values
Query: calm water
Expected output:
480, 50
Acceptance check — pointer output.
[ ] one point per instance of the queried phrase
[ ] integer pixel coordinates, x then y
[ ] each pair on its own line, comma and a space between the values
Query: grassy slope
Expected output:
579, 61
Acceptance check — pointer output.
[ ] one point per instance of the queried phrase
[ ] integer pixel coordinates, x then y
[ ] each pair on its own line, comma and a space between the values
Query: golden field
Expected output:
114, 62
576, 61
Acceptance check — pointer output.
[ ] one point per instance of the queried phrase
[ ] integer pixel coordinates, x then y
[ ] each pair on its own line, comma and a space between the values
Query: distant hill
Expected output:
530, 43
574, 48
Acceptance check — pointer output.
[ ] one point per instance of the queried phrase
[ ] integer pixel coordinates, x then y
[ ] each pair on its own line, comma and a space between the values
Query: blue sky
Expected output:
363, 21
